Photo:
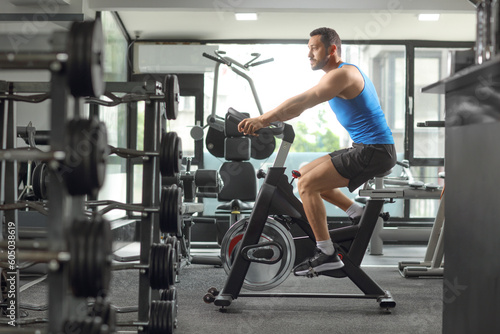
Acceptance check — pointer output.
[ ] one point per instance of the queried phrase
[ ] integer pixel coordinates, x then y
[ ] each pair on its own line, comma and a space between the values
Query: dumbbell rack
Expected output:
76, 54
155, 94
8, 177
149, 226
63, 208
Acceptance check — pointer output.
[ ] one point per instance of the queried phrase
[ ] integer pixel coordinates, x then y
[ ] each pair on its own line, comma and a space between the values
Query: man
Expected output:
354, 100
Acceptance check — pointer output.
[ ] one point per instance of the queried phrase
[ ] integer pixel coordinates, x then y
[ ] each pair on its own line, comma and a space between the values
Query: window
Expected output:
431, 65
398, 69
115, 118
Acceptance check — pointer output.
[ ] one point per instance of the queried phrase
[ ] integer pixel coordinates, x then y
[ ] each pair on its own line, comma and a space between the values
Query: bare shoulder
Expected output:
350, 80
351, 72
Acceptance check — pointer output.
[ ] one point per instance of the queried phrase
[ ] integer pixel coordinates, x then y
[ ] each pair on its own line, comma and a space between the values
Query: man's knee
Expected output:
305, 185
301, 185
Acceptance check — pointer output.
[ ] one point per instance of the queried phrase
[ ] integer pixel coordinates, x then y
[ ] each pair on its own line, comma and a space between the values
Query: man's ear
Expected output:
333, 49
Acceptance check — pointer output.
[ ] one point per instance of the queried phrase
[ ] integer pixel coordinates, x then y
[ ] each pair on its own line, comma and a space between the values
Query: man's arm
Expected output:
329, 86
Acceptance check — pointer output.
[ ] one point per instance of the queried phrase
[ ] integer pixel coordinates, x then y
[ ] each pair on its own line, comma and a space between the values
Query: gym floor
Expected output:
418, 309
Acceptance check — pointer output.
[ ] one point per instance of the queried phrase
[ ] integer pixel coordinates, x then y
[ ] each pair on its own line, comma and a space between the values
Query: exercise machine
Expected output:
259, 251
405, 187
433, 263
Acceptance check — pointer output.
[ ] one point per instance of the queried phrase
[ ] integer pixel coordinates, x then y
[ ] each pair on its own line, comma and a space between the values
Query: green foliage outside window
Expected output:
315, 136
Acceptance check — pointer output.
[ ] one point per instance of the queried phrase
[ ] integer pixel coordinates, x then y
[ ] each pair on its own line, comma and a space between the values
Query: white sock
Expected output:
326, 246
354, 210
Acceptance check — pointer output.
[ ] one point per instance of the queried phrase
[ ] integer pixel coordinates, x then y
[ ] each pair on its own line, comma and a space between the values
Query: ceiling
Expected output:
277, 19
293, 19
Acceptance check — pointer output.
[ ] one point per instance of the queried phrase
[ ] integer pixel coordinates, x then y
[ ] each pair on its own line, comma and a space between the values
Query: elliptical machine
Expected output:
259, 252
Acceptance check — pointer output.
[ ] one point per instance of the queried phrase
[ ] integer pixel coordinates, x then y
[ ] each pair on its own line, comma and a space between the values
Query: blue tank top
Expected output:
362, 116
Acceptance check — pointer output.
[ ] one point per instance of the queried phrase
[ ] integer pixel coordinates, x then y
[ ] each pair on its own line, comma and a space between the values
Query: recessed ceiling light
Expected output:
246, 16
428, 17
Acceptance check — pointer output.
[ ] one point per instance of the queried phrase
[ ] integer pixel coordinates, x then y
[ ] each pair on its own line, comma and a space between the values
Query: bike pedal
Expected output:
312, 273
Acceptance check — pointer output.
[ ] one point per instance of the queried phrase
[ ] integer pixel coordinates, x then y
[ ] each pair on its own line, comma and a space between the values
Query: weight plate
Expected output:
164, 294
91, 261
85, 163
172, 206
90, 264
161, 318
100, 158
164, 317
172, 93
170, 153
172, 294
77, 250
164, 204
153, 265
175, 226
169, 209
39, 181
159, 266
153, 326
103, 254
172, 265
178, 212
158, 270
171, 317
167, 154
176, 244
167, 266
85, 67
177, 154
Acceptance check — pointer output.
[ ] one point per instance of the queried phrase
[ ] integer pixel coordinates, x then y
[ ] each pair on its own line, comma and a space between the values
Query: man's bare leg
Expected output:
322, 178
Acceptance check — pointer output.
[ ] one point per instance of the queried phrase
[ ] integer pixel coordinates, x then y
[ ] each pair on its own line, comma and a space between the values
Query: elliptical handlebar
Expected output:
230, 61
260, 62
217, 59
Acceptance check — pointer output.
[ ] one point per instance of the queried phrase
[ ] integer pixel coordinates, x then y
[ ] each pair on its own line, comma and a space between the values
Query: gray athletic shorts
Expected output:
360, 162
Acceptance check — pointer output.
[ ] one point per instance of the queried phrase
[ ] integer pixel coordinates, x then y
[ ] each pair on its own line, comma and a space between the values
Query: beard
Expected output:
320, 64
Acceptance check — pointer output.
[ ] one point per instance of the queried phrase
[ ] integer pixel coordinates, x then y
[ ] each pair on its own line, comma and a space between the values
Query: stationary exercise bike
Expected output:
259, 252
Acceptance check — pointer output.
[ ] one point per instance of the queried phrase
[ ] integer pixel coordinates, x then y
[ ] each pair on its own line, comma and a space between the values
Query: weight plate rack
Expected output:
74, 270
78, 248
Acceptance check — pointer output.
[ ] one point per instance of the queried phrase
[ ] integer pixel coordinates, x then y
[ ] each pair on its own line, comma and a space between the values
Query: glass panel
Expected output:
430, 66
137, 188
182, 125
115, 49
141, 107
115, 69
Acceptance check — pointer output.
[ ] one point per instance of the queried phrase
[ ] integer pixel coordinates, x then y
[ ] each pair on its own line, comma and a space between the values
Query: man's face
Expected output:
318, 55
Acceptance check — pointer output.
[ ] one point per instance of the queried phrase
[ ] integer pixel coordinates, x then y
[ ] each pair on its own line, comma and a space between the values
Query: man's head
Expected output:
323, 44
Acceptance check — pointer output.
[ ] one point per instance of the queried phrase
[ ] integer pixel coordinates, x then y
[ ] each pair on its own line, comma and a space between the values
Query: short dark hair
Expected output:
328, 37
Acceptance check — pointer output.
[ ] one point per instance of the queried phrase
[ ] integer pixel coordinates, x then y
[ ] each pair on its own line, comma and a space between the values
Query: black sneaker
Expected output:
318, 263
